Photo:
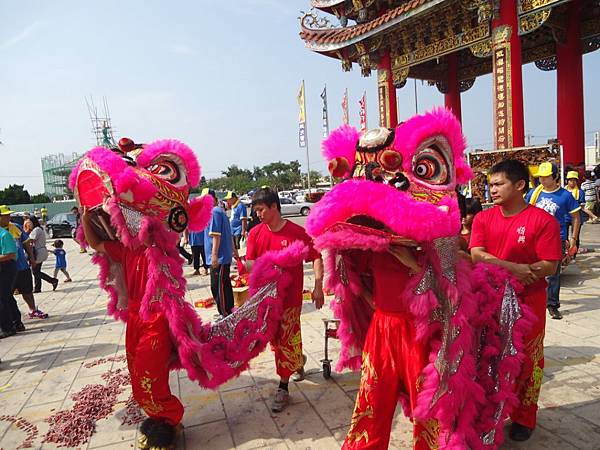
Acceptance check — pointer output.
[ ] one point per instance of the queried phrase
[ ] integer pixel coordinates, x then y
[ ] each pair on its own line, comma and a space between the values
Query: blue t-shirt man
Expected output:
20, 238
7, 244
219, 226
238, 211
196, 238
560, 203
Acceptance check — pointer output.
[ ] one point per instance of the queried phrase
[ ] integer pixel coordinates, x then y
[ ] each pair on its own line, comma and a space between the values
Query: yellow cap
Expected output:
572, 174
229, 195
204, 191
544, 170
5, 210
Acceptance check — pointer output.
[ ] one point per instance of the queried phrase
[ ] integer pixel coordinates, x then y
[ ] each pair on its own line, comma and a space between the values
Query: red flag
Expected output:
345, 118
363, 112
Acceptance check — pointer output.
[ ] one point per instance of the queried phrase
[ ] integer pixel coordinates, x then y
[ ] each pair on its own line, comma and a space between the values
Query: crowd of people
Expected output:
530, 232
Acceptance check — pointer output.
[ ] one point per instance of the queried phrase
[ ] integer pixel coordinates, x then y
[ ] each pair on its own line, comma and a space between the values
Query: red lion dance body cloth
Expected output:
429, 329
138, 198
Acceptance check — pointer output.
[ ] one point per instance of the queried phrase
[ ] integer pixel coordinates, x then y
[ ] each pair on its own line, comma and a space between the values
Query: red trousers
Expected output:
392, 364
530, 380
149, 351
287, 343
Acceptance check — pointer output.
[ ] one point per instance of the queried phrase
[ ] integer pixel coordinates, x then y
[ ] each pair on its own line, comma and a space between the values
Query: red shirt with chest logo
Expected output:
261, 240
525, 238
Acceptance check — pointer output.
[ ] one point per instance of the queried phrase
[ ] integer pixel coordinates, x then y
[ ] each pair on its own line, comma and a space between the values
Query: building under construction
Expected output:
56, 170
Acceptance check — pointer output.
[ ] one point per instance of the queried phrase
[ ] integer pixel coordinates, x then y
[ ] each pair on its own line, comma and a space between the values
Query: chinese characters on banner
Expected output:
345, 115
502, 89
301, 117
363, 112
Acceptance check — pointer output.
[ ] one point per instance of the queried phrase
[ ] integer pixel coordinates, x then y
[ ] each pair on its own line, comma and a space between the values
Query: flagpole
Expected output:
306, 139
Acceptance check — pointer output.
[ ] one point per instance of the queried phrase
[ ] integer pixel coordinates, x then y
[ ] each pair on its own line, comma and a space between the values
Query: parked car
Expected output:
291, 207
61, 225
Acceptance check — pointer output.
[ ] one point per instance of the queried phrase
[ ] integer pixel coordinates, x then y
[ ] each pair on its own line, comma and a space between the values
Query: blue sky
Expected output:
221, 76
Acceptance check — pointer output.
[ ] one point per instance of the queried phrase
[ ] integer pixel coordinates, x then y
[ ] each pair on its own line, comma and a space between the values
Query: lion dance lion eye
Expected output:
166, 170
431, 166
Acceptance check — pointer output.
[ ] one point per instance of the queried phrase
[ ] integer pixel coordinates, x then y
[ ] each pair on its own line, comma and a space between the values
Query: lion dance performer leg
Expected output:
428, 329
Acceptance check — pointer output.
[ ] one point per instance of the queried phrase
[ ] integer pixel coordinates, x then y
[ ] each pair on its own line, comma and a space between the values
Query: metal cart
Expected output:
331, 328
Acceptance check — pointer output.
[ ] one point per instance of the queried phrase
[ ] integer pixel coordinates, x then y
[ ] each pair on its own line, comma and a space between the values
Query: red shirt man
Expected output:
525, 241
263, 239
276, 233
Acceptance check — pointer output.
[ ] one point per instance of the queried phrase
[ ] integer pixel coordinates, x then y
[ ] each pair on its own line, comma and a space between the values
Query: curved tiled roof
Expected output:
328, 39
325, 3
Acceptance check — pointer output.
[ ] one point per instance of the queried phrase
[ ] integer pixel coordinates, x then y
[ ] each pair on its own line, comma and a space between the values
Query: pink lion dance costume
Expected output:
139, 198
434, 332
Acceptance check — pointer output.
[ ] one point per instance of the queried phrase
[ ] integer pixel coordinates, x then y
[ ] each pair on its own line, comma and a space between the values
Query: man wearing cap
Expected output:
25, 260
559, 202
218, 244
238, 219
10, 316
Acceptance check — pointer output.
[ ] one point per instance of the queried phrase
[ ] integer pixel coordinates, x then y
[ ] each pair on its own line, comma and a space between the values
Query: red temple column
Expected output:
569, 96
507, 78
388, 112
452, 96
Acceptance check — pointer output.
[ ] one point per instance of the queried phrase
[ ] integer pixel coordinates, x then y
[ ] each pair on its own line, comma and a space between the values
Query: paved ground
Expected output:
42, 368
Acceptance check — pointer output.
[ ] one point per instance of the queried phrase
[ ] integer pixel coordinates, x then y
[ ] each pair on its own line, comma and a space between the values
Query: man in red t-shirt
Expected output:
276, 233
148, 343
524, 240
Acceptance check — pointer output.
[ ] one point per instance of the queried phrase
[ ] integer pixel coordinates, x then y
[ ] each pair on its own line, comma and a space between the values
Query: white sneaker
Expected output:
280, 401
300, 374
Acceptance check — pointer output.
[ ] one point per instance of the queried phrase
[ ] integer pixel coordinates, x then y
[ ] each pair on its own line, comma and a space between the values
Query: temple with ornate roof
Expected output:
449, 43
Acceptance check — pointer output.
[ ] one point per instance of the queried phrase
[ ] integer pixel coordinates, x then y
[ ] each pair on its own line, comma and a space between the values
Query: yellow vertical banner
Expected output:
301, 104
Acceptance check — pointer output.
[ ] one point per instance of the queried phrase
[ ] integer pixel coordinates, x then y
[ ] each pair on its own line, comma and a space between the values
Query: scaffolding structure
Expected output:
101, 124
56, 170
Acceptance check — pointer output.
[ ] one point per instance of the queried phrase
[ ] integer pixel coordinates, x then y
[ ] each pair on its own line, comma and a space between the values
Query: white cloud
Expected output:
21, 36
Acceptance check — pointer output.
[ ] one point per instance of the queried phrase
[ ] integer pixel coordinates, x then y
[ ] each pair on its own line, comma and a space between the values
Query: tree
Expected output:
40, 198
14, 194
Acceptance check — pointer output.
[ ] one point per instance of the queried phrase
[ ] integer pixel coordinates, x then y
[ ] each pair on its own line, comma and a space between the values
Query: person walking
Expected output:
23, 282
525, 241
61, 259
196, 239
238, 219
558, 202
40, 253
44, 214
589, 191
276, 233
10, 316
181, 243
77, 214
218, 244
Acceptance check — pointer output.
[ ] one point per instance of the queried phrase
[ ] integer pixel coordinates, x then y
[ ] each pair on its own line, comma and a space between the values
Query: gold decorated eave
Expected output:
419, 37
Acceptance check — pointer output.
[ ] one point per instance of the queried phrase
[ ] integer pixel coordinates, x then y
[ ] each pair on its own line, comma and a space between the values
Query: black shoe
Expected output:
554, 312
54, 284
5, 334
19, 327
37, 291
519, 432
